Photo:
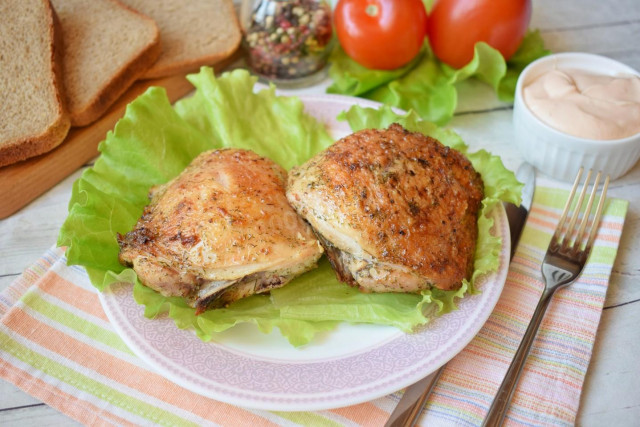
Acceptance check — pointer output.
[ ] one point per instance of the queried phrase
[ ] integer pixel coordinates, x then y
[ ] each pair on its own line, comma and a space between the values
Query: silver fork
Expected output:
563, 262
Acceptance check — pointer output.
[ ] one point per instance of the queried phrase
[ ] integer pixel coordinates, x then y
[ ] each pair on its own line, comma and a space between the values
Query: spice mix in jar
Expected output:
287, 42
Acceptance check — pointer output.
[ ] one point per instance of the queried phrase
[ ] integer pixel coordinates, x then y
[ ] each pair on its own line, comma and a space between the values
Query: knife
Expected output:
415, 396
517, 215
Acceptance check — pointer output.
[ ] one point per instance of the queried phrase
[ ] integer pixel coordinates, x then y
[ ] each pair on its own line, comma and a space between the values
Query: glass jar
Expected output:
287, 41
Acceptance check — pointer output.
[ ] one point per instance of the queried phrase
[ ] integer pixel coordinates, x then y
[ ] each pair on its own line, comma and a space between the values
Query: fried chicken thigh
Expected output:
220, 231
396, 211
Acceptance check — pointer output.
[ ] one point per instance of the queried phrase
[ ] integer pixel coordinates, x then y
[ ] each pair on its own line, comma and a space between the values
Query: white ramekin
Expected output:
556, 153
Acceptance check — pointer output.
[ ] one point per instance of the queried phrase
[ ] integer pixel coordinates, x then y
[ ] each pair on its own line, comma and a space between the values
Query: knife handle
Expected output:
409, 408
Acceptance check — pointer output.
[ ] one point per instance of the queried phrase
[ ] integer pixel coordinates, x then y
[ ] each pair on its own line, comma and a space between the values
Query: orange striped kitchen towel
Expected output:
57, 344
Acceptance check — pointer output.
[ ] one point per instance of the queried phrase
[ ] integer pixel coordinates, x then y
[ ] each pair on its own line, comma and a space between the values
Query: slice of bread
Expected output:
33, 119
107, 46
193, 33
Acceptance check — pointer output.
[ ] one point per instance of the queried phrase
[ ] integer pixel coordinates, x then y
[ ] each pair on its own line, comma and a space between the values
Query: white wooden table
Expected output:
611, 394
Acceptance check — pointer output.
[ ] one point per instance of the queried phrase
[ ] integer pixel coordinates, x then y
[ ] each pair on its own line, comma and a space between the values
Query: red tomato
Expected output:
456, 25
381, 34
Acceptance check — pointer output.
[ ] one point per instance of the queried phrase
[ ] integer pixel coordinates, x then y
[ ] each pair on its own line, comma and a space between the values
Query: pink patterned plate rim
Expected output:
350, 365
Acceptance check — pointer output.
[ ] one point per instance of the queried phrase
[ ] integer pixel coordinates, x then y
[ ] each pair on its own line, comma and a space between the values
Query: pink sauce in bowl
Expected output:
586, 104
572, 109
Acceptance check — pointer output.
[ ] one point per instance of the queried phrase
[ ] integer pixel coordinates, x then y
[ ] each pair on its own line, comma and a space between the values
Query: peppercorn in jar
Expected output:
287, 41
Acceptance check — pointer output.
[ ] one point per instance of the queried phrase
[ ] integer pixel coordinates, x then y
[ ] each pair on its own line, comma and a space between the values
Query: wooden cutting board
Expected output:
22, 182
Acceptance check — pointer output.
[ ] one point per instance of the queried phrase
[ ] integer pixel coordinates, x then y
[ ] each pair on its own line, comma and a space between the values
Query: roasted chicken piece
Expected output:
396, 211
220, 231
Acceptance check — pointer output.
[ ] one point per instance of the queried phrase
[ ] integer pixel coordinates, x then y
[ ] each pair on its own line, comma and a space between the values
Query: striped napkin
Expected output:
57, 344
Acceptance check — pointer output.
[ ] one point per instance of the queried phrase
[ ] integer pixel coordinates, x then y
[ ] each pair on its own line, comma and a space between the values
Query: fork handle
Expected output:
498, 409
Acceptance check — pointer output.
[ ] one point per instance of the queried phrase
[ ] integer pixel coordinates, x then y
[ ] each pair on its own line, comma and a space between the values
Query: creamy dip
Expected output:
586, 105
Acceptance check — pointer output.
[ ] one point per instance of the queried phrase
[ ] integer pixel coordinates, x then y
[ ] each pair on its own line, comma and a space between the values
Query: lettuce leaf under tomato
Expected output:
428, 86
155, 141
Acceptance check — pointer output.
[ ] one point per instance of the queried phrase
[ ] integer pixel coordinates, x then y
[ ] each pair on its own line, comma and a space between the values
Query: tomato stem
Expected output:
372, 10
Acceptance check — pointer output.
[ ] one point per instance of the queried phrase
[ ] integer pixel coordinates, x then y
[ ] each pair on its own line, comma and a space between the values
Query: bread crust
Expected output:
160, 69
33, 145
120, 82
189, 66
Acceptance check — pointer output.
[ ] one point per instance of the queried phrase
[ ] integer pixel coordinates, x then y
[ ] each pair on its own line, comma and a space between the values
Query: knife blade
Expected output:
410, 406
517, 215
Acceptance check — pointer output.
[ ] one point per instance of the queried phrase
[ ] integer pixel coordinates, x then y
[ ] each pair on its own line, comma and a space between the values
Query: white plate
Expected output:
350, 365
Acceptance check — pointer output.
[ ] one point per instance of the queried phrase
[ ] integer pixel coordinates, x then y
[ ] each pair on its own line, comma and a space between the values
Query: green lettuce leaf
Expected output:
318, 295
155, 141
427, 85
355, 79
258, 310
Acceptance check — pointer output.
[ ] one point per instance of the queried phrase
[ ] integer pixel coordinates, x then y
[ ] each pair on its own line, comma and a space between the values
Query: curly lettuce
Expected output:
155, 141
427, 85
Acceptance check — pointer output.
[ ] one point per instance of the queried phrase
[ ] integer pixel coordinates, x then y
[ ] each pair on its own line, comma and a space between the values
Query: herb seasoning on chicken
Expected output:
395, 210
220, 231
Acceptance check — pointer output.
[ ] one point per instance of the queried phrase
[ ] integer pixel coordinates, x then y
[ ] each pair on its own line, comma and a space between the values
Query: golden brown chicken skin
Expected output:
396, 211
220, 231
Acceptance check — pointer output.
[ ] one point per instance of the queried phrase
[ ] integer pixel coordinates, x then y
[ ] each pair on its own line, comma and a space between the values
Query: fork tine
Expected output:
566, 240
587, 212
565, 211
596, 219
